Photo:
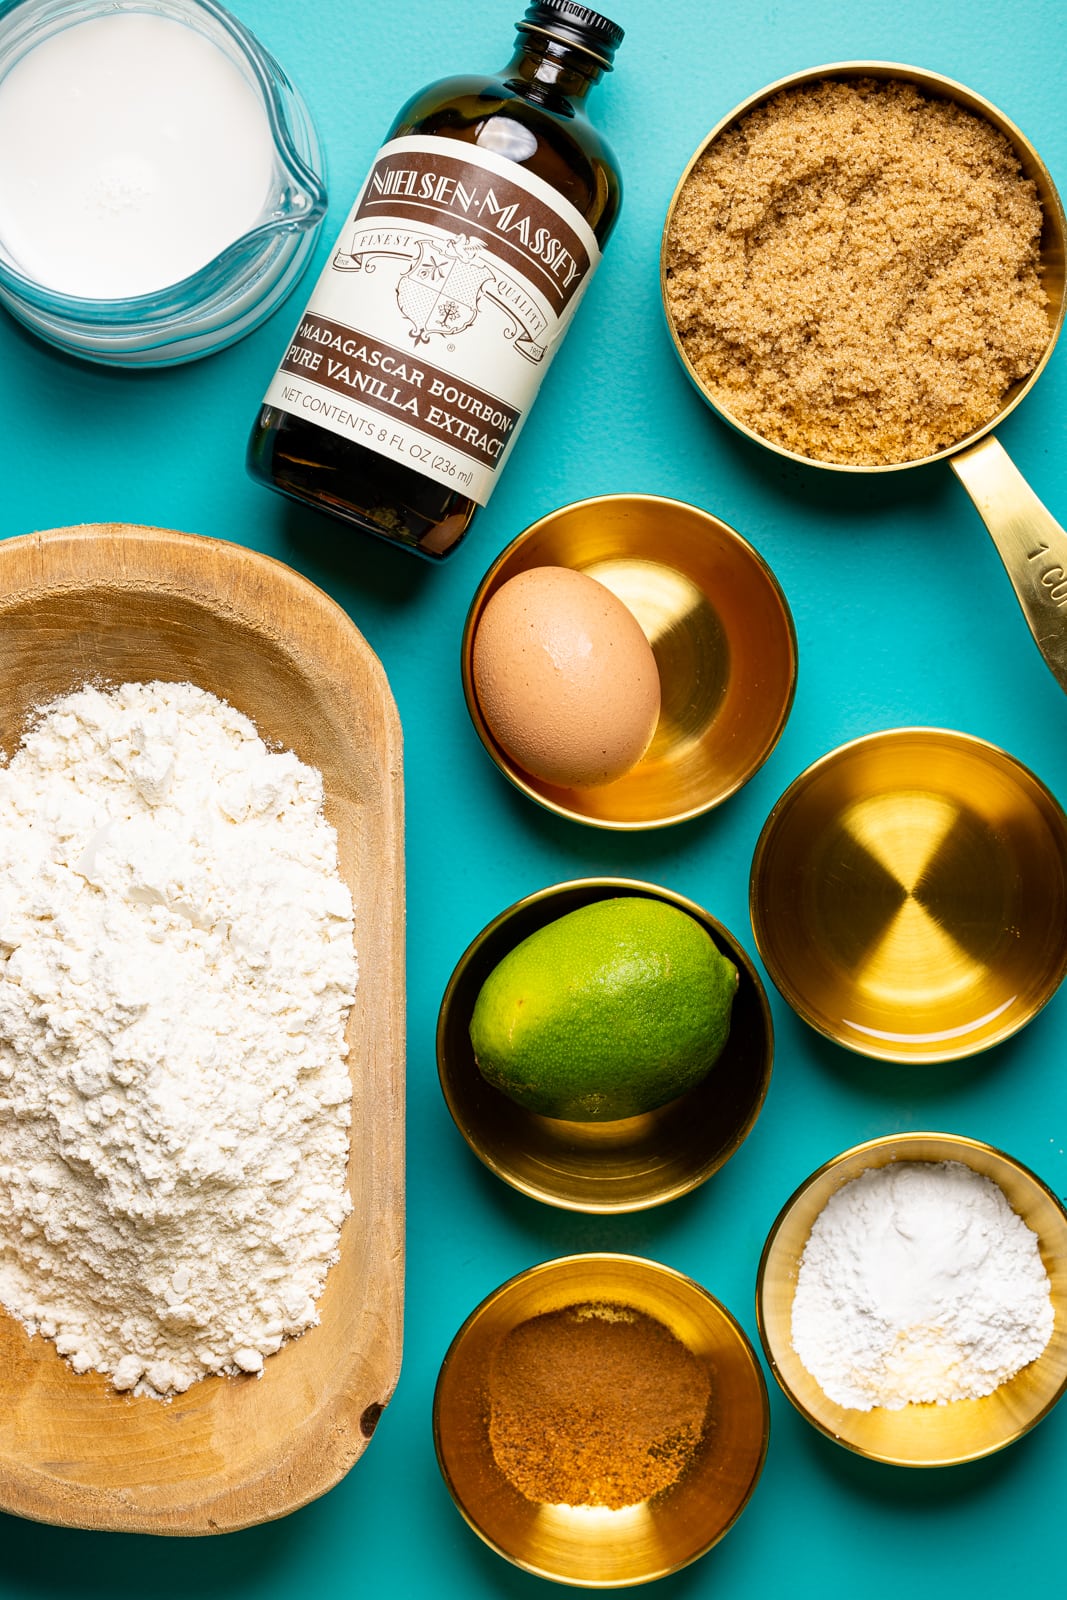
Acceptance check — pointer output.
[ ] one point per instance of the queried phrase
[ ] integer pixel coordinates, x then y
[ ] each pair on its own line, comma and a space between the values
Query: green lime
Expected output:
609, 1011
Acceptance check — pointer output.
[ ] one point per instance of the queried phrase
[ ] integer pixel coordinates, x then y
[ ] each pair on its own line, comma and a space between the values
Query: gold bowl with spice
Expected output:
954, 1430
862, 268
908, 895
601, 1420
627, 1164
721, 633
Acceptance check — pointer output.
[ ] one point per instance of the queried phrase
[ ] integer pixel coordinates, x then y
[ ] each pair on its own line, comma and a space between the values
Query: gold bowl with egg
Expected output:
593, 1546
918, 1435
909, 895
721, 632
604, 1167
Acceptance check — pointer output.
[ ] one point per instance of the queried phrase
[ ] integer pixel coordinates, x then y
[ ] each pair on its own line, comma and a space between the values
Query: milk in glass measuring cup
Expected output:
159, 178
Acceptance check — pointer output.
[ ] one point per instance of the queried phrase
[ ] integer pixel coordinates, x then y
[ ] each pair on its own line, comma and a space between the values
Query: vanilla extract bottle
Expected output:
455, 277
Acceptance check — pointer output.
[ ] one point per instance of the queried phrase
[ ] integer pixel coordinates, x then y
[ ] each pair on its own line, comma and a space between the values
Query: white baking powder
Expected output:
133, 151
176, 968
919, 1283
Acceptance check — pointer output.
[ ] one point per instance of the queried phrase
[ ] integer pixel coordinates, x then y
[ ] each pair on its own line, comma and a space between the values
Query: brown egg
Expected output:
565, 678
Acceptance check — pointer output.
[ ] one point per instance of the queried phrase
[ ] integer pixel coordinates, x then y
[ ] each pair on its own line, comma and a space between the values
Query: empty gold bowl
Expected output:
917, 1435
721, 632
603, 1167
909, 895
592, 1546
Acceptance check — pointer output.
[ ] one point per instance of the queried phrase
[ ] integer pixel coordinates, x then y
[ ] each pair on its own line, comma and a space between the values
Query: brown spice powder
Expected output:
852, 270
594, 1405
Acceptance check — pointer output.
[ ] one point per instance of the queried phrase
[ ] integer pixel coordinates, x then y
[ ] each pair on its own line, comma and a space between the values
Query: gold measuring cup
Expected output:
1031, 544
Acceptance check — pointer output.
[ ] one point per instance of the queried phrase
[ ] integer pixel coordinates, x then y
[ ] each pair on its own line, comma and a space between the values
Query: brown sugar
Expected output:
852, 271
594, 1405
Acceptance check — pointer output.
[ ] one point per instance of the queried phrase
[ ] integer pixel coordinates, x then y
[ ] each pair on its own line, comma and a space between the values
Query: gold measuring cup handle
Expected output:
1032, 545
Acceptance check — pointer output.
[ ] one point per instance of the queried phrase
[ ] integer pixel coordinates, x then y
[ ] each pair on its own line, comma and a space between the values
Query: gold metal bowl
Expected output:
604, 1167
721, 632
917, 1435
1029, 541
909, 895
592, 1546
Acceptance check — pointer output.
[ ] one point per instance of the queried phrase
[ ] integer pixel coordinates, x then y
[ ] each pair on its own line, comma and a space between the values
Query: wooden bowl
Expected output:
116, 603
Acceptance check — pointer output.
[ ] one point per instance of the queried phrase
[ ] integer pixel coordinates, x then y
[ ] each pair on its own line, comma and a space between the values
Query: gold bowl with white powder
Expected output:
917, 1434
112, 604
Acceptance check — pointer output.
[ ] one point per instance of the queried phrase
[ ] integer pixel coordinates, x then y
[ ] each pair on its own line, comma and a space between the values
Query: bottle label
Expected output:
427, 336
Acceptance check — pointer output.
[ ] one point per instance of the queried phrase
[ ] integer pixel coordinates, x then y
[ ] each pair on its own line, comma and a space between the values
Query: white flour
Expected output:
919, 1283
176, 968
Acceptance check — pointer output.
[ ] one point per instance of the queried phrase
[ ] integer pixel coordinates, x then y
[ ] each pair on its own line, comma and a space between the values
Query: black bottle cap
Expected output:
574, 24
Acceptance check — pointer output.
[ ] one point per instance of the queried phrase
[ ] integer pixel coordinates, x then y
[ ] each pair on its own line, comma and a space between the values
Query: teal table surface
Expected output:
904, 616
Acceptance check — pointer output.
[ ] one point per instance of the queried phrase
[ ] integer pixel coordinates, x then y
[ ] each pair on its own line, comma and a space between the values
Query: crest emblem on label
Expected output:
441, 290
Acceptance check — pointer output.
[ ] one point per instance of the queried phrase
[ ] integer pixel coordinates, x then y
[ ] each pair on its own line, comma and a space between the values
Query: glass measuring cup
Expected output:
1031, 544
235, 291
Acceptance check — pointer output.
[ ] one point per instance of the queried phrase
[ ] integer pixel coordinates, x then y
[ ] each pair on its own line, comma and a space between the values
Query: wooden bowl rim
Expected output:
246, 587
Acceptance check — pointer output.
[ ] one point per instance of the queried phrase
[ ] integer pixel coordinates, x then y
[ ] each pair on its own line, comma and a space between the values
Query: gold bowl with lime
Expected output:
605, 1163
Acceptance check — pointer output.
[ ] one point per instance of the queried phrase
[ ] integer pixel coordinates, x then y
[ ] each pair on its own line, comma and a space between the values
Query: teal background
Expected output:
903, 615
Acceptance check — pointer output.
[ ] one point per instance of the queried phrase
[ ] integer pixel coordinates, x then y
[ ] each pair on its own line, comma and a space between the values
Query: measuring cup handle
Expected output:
1032, 545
